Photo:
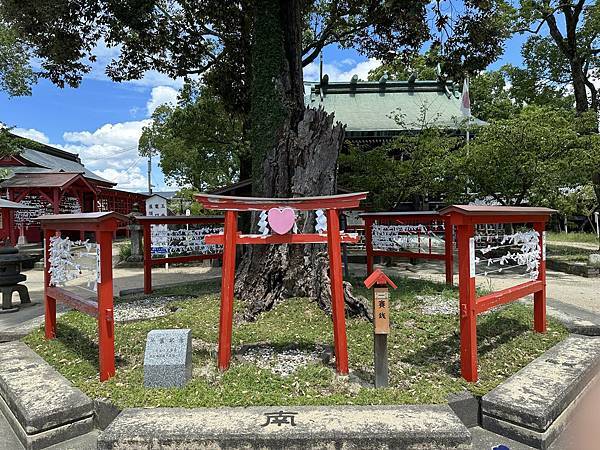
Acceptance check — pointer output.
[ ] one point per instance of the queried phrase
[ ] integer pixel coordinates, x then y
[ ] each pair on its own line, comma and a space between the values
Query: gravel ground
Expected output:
280, 362
437, 304
146, 308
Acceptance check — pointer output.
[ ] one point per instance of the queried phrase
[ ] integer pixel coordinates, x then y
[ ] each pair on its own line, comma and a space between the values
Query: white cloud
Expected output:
339, 71
31, 133
123, 135
161, 95
133, 179
111, 152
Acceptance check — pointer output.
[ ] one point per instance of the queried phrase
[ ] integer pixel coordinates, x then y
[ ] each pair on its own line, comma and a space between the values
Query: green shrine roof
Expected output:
368, 108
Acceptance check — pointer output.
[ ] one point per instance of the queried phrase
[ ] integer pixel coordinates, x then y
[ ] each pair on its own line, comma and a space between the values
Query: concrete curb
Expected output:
41, 405
534, 405
576, 320
348, 427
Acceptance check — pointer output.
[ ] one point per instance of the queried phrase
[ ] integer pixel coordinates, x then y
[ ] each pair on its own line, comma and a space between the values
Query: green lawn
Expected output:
588, 238
423, 352
569, 254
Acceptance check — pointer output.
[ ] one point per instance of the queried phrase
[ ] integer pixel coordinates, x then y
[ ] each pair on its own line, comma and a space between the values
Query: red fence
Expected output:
148, 221
420, 230
532, 257
103, 224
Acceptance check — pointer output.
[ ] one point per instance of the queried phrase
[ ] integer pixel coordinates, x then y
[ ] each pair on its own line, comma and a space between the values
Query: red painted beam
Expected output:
84, 305
507, 295
224, 202
309, 238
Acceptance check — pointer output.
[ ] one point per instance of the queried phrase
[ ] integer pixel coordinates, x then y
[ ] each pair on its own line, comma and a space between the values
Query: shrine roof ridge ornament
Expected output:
225, 202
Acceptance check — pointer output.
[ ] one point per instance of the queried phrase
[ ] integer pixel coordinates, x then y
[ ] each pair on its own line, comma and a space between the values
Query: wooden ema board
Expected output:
104, 224
465, 217
147, 221
426, 221
381, 310
231, 238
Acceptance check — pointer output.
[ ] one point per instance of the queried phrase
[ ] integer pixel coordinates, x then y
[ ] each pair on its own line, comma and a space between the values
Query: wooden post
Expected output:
369, 245
147, 259
381, 298
468, 316
50, 303
227, 285
106, 335
381, 324
337, 292
449, 252
539, 298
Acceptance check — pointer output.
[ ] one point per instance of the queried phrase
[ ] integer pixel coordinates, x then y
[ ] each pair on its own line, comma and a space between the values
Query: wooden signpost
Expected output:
381, 323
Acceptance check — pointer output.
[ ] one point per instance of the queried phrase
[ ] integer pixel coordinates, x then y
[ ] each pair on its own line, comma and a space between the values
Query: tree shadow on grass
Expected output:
80, 343
491, 334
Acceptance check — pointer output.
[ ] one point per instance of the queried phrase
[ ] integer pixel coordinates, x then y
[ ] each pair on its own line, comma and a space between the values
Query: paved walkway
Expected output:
17, 324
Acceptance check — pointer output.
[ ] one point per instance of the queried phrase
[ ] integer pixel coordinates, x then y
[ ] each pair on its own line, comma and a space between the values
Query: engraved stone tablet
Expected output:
168, 358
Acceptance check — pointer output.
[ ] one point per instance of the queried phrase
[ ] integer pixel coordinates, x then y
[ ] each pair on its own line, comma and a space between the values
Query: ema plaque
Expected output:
168, 358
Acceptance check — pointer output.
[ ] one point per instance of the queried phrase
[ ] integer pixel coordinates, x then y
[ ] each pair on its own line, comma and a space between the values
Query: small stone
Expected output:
168, 358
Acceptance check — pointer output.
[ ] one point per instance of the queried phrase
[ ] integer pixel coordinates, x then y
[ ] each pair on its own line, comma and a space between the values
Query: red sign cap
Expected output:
378, 277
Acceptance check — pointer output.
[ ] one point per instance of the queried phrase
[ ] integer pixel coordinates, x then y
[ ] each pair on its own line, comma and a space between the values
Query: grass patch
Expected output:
423, 352
588, 238
569, 254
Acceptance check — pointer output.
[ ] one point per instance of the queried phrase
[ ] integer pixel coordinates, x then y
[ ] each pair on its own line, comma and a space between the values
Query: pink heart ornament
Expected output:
281, 220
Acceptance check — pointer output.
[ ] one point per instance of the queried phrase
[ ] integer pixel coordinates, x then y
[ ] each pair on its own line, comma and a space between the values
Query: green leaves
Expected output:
16, 74
198, 142
529, 157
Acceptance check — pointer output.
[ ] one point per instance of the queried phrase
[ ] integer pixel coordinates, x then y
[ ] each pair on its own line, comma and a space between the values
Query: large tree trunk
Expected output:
295, 152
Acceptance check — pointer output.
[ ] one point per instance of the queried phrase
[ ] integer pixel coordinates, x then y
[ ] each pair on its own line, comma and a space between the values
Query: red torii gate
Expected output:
333, 238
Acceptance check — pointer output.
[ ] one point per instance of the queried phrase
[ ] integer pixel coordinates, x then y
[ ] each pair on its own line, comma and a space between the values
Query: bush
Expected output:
125, 251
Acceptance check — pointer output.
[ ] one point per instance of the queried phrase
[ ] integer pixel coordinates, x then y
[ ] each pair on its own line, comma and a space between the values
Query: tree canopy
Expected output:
534, 154
198, 141
16, 74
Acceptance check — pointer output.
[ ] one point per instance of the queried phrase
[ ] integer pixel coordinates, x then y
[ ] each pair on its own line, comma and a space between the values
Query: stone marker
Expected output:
168, 358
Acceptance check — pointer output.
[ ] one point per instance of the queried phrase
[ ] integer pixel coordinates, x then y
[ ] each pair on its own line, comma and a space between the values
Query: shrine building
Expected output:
375, 112
54, 181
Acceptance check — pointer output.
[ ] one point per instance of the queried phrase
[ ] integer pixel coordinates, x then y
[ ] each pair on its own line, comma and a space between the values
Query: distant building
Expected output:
54, 181
374, 112
157, 205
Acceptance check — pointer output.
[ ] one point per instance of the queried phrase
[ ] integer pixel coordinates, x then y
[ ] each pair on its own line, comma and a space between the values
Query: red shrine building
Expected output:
54, 181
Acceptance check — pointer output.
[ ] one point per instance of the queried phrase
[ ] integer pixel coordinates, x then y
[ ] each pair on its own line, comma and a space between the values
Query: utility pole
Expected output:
150, 173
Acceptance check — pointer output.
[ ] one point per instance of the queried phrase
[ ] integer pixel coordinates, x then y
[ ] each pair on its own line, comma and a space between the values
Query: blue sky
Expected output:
102, 120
